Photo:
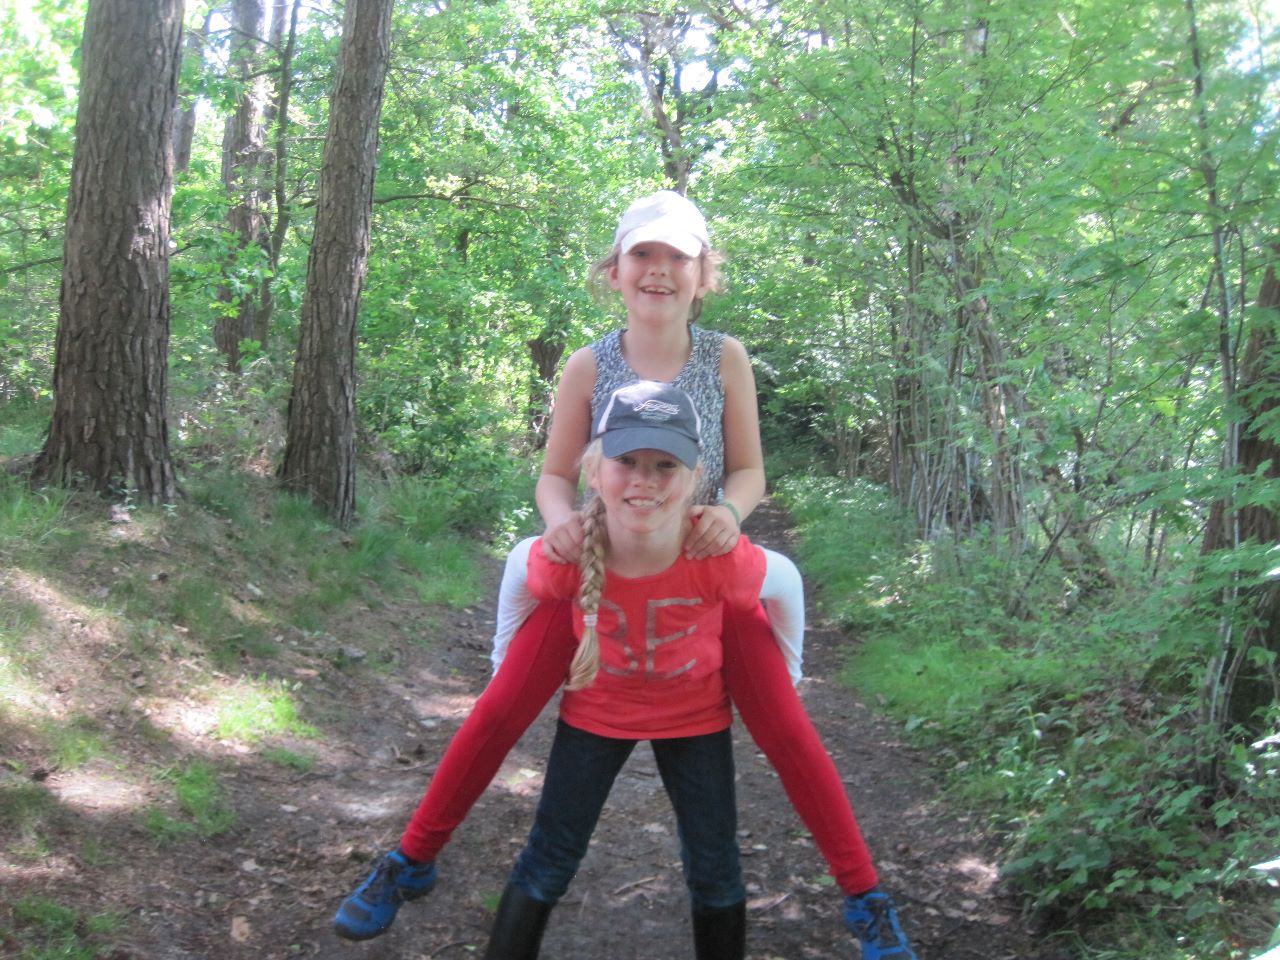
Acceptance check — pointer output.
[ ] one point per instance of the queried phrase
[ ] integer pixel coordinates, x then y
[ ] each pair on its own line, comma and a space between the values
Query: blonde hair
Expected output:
595, 544
595, 541
709, 262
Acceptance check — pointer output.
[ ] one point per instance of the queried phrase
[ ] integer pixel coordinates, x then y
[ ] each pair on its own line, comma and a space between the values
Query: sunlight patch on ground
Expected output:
16, 690
96, 790
981, 877
46, 869
366, 808
234, 713
38, 673
187, 721
442, 706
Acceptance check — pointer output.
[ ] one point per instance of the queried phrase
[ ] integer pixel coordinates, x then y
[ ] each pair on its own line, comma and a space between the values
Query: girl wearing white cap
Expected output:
662, 265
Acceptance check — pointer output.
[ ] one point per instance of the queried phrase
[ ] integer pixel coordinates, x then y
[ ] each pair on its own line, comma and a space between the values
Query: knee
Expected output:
716, 893
542, 879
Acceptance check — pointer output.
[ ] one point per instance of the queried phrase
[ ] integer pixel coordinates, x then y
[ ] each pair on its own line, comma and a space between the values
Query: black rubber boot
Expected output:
517, 926
720, 934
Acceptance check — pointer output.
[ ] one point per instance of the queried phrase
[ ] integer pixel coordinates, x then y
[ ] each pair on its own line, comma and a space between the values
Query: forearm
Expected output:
744, 489
555, 497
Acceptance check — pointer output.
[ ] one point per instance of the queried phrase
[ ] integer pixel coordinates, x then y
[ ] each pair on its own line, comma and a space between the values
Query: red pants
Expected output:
536, 665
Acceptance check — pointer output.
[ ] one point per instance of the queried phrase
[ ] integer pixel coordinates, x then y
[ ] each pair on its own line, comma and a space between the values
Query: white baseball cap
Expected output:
663, 217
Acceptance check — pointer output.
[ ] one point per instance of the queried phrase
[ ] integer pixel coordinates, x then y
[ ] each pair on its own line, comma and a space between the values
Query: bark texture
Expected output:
109, 428
319, 459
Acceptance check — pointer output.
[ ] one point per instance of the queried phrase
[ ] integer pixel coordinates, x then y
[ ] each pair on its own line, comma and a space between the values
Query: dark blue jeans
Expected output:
697, 773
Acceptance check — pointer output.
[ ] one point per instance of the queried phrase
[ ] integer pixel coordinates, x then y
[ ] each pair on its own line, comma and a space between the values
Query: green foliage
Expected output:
29, 518
47, 930
257, 711
289, 759
1076, 729
200, 796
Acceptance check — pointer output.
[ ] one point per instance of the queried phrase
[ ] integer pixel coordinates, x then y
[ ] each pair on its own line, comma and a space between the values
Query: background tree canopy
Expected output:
1010, 264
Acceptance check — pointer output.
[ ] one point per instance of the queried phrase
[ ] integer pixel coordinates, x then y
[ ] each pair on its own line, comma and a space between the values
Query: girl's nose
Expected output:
647, 473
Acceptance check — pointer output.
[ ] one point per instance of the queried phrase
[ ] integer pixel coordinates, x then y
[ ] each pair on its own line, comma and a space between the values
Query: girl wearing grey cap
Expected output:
647, 667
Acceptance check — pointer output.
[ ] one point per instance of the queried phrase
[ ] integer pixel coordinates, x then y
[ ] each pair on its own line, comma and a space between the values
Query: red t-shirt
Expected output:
660, 652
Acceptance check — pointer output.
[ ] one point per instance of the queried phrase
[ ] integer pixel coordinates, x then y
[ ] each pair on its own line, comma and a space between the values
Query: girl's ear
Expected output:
611, 274
706, 281
591, 473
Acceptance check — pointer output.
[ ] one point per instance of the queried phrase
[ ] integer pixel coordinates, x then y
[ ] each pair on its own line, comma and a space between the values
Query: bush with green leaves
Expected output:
1070, 720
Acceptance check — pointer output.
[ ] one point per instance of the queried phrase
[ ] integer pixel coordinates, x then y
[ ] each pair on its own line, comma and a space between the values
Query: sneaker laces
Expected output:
880, 925
385, 874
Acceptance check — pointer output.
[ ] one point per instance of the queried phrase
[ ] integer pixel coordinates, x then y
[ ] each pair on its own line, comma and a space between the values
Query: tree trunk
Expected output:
283, 39
1234, 687
245, 167
319, 457
184, 121
109, 427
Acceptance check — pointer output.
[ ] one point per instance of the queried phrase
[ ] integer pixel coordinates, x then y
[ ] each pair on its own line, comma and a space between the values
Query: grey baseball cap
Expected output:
649, 415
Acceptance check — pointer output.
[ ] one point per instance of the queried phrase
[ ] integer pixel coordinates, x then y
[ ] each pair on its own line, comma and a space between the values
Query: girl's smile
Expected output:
644, 491
656, 276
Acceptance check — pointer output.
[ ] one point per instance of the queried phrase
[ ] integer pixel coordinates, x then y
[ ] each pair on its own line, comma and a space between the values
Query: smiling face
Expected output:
657, 282
645, 492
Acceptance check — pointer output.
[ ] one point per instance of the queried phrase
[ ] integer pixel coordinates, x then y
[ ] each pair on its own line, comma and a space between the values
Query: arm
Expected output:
557, 487
717, 528
783, 595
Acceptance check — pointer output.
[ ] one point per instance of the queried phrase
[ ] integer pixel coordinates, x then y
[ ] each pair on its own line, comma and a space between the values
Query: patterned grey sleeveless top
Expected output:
700, 378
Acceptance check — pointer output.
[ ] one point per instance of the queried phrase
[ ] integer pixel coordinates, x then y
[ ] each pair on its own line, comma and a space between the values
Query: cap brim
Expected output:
615, 443
663, 231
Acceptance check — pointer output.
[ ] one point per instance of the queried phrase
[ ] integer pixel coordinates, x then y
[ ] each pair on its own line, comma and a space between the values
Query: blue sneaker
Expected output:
370, 911
873, 919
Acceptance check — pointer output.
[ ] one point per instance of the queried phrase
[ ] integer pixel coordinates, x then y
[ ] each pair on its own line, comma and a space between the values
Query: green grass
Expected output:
73, 743
200, 797
289, 759
48, 930
23, 430
31, 519
253, 712
25, 807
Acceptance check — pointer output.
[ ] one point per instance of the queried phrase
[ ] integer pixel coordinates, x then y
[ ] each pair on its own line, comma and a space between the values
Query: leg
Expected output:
580, 773
534, 668
760, 686
517, 926
697, 773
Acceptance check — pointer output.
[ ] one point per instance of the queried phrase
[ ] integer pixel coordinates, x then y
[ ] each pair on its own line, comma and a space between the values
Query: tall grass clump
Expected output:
1066, 712
47, 930
23, 426
30, 519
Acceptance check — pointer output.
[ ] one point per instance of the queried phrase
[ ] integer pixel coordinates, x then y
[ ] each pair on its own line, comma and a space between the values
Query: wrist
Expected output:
737, 517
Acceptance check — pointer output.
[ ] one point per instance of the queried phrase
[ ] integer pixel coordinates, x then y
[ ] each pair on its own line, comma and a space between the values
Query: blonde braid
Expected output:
586, 662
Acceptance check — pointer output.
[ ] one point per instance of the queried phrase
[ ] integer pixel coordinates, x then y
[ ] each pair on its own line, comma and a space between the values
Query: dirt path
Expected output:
269, 887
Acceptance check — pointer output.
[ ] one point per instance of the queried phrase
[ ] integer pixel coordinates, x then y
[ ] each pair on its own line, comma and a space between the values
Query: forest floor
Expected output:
268, 887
